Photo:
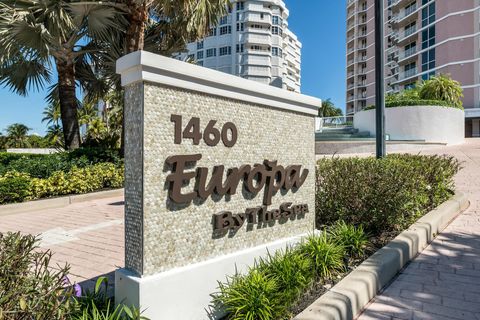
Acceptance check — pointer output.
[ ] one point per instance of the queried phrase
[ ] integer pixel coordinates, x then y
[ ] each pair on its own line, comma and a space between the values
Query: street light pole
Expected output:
379, 78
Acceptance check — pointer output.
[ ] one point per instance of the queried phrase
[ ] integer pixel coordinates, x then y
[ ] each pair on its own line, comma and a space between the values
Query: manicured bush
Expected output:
14, 187
43, 166
412, 103
444, 88
18, 187
353, 239
29, 288
326, 256
382, 195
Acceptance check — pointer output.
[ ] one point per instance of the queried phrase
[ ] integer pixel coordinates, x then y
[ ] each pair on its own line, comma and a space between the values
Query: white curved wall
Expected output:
429, 123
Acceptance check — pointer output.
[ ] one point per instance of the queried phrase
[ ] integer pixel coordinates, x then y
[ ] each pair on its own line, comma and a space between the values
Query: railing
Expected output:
322, 124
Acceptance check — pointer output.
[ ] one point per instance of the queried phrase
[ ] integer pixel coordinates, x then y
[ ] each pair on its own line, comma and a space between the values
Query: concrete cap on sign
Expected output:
145, 66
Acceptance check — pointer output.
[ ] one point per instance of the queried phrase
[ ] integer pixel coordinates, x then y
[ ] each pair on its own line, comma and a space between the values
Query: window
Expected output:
428, 60
212, 52
240, 5
223, 20
277, 31
225, 51
410, 28
200, 63
238, 16
212, 32
428, 14
411, 8
256, 48
427, 76
240, 26
428, 37
225, 30
276, 20
410, 69
410, 49
276, 51
199, 45
240, 48
410, 85
200, 55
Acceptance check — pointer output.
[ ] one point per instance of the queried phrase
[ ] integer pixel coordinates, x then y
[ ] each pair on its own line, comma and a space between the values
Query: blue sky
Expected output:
320, 26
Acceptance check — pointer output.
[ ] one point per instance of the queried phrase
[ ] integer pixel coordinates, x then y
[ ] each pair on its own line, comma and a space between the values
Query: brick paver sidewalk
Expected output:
443, 282
88, 235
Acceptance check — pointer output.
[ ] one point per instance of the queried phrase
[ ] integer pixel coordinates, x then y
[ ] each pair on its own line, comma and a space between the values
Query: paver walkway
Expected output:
88, 235
443, 282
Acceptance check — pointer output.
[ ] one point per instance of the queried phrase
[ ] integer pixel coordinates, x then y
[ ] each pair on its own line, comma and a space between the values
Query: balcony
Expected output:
409, 53
256, 60
258, 39
408, 74
405, 15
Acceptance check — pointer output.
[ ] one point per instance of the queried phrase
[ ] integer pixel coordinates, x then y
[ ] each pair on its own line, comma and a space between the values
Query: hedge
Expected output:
413, 103
19, 186
42, 166
382, 195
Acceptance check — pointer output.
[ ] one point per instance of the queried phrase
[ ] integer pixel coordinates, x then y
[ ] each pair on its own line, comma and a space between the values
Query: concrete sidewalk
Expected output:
444, 281
89, 236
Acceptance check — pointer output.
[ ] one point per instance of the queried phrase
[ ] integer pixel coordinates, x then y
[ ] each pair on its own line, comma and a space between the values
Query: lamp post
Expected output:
379, 78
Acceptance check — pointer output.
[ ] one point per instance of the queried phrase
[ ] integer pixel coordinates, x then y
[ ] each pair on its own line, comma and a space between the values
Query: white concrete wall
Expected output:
429, 123
34, 150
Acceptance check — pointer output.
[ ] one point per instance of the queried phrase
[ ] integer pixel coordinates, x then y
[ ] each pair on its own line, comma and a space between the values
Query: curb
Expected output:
14, 208
347, 298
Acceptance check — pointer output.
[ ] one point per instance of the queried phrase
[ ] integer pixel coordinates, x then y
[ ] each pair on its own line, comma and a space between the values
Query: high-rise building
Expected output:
422, 38
253, 41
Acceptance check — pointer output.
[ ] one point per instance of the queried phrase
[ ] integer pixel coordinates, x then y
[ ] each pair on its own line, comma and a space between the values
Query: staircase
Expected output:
343, 134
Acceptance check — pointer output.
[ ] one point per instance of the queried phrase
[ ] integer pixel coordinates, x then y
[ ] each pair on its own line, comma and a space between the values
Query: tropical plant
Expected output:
55, 136
37, 37
353, 239
292, 272
444, 88
30, 287
326, 255
17, 135
253, 296
52, 114
328, 109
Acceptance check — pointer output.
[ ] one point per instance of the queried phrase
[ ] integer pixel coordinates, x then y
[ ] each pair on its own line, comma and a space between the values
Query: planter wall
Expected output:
432, 124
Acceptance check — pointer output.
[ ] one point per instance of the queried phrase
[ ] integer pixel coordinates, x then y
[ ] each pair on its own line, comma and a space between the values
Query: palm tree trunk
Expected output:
68, 103
137, 18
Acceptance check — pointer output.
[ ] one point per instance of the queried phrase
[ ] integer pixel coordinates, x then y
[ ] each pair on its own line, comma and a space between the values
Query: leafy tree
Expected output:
17, 136
37, 37
328, 109
444, 88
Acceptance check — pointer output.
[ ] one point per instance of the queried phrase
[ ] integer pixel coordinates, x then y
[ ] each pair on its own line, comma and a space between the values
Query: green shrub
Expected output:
326, 256
18, 187
14, 187
412, 103
253, 296
353, 239
97, 305
29, 287
382, 195
43, 166
292, 272
444, 88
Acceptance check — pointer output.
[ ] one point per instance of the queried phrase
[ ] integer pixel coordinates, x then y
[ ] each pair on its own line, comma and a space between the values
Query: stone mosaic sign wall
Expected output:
208, 175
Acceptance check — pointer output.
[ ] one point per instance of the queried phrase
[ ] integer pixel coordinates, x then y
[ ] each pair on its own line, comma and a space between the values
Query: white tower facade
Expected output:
253, 41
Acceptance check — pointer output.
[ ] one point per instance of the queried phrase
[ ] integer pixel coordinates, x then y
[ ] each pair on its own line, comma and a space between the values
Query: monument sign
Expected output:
218, 170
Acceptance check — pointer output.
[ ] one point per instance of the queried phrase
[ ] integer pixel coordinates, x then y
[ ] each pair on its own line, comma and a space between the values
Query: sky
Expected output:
320, 26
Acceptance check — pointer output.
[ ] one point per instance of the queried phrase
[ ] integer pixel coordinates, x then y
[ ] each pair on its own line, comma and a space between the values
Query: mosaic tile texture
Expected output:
179, 235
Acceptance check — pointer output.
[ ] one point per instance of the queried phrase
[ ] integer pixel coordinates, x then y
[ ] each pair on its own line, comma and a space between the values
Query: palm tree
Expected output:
170, 20
51, 114
55, 136
328, 109
37, 37
17, 135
